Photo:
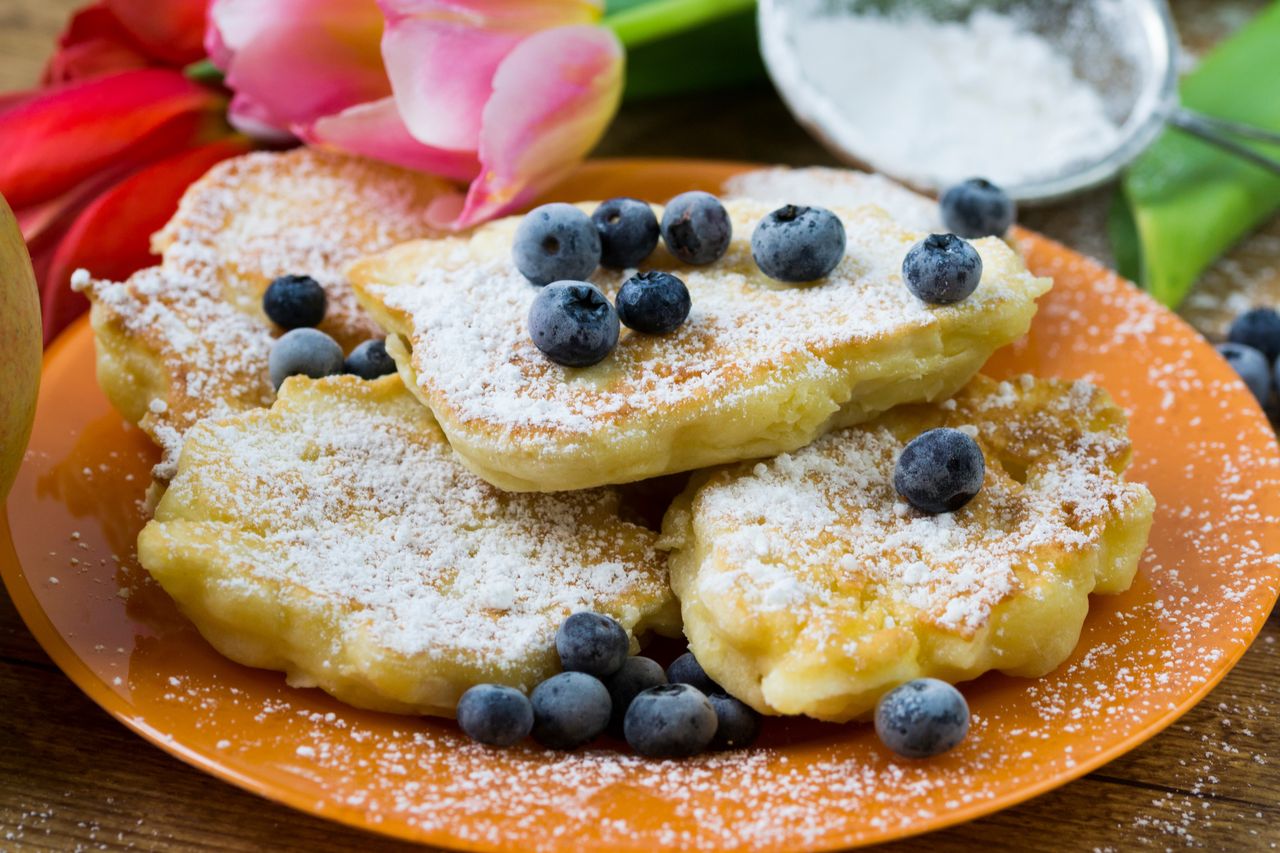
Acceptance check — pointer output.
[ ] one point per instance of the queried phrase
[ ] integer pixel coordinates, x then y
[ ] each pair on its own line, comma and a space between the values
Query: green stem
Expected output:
203, 71
658, 19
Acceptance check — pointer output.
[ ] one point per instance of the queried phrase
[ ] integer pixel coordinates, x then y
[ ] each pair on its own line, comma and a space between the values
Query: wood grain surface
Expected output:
71, 778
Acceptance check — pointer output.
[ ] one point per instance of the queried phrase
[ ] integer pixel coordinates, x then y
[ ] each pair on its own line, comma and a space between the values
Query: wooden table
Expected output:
73, 778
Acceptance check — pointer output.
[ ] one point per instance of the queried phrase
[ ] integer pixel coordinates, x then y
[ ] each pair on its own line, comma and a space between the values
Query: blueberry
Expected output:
295, 302
977, 208
495, 715
696, 227
653, 302
737, 723
798, 243
308, 352
592, 643
686, 670
922, 718
628, 232
942, 269
569, 710
1258, 328
554, 242
670, 721
1252, 367
939, 470
370, 360
573, 323
637, 674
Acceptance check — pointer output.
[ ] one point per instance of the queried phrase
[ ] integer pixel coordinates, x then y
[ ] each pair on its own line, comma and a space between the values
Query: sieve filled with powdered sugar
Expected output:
1045, 98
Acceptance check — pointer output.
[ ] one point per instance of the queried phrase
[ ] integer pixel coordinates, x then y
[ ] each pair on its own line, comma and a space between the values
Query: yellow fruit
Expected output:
19, 347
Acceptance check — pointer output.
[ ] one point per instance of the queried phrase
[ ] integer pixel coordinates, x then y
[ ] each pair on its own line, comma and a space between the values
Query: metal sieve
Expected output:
1126, 49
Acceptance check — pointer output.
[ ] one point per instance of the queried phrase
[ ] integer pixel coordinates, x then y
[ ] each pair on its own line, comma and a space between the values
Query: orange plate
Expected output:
1207, 583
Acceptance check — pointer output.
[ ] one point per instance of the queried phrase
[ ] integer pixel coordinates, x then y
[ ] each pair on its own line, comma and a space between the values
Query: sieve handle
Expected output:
1227, 135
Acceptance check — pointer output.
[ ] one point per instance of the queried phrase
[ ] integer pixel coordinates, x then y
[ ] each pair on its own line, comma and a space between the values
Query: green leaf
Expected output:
680, 46
716, 56
203, 71
1184, 202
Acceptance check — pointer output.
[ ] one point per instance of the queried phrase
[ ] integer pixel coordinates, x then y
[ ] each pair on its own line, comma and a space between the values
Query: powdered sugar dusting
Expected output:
950, 569
837, 188
745, 332
247, 221
1207, 581
349, 491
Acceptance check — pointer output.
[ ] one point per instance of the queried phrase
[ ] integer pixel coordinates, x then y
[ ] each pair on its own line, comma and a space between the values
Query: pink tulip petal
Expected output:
526, 15
442, 75
297, 60
215, 46
552, 99
375, 130
256, 121
441, 56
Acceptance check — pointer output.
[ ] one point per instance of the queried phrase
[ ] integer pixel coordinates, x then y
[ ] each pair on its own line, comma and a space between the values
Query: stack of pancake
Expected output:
399, 540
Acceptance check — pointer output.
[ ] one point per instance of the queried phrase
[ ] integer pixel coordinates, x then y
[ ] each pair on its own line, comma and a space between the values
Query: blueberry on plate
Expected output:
737, 723
554, 242
670, 721
795, 243
686, 670
628, 232
1258, 328
977, 208
573, 323
1252, 367
592, 643
370, 360
295, 302
922, 718
305, 352
495, 715
569, 709
696, 228
636, 675
653, 302
942, 269
939, 471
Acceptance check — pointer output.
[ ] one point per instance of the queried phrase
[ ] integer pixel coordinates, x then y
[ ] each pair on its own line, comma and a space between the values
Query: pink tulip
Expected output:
508, 95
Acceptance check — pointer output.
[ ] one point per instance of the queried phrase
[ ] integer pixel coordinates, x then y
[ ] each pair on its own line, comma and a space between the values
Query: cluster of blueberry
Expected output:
1253, 349
298, 303
943, 269
557, 247
670, 714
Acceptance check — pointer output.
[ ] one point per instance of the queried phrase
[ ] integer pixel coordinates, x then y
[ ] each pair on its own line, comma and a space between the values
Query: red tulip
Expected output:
171, 31
97, 160
94, 43
63, 136
112, 236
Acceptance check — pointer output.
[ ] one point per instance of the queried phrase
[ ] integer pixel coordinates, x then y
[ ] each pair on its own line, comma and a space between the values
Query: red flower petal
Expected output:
45, 223
171, 31
58, 138
112, 236
94, 43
